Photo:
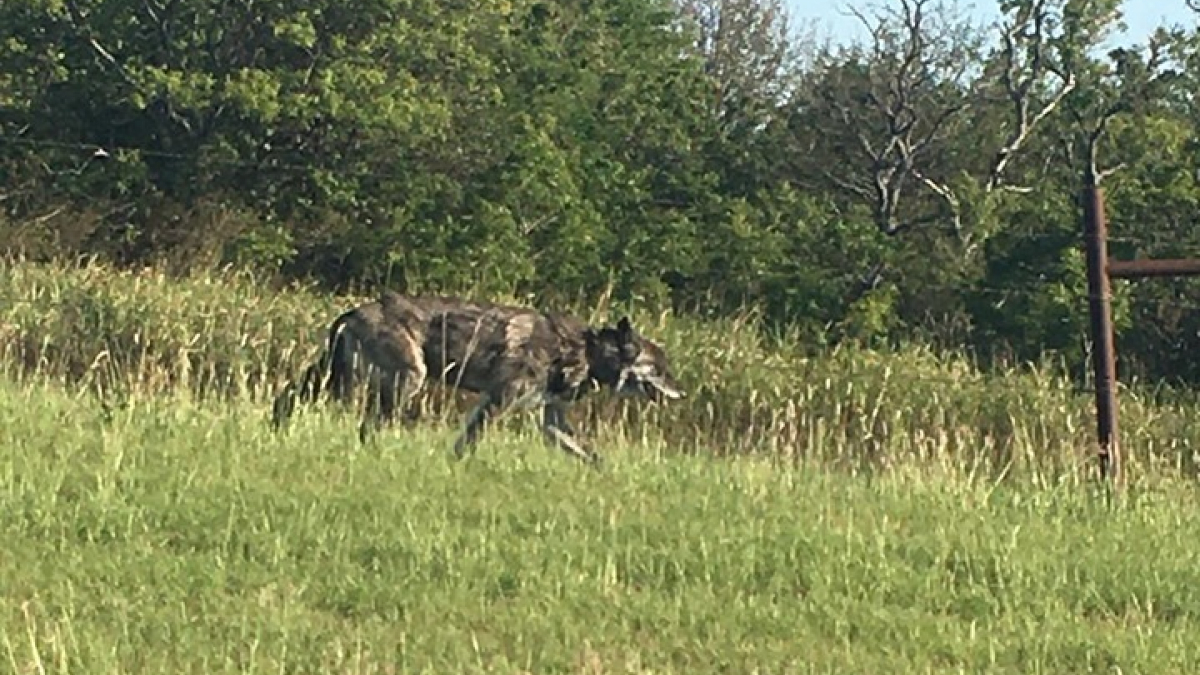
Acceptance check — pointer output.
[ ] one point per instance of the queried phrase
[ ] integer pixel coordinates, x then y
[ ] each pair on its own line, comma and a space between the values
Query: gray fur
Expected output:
513, 357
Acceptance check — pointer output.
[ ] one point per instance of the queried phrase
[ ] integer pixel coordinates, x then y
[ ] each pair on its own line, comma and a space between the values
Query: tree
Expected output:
900, 104
749, 54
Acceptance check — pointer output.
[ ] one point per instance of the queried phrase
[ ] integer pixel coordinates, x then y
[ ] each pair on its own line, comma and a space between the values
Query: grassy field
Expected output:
167, 536
853, 512
230, 337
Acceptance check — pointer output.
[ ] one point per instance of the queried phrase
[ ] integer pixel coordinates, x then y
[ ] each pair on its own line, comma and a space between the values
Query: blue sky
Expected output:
1142, 16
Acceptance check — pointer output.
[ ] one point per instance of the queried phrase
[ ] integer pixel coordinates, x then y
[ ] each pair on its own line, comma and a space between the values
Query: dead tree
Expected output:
918, 84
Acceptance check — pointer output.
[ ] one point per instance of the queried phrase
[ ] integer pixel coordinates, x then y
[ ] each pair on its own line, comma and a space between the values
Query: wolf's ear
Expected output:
625, 329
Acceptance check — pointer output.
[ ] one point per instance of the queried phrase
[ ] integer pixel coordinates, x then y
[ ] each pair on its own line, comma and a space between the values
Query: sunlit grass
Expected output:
854, 512
231, 336
167, 535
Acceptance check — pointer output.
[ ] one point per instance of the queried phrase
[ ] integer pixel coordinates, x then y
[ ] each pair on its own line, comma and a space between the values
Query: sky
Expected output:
1142, 16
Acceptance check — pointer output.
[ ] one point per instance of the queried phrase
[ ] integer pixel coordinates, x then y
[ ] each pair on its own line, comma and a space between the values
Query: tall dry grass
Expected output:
126, 334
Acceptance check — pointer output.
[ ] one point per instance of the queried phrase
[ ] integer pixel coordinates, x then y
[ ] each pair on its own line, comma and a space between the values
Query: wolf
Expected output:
512, 357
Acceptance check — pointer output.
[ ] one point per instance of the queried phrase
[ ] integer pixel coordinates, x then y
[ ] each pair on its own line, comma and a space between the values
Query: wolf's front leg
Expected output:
559, 432
477, 419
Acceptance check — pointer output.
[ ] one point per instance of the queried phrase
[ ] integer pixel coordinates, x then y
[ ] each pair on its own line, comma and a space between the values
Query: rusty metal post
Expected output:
1145, 269
1104, 360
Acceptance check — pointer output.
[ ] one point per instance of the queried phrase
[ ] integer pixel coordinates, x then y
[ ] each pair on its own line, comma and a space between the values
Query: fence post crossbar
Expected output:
1100, 272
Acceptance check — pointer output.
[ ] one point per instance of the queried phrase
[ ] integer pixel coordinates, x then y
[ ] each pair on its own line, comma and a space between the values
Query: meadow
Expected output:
860, 511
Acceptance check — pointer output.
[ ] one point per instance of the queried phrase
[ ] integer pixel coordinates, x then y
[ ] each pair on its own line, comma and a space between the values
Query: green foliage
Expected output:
915, 186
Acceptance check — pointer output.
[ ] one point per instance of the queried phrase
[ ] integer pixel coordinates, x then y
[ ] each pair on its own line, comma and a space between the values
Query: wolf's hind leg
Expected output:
344, 359
405, 388
387, 393
283, 406
372, 402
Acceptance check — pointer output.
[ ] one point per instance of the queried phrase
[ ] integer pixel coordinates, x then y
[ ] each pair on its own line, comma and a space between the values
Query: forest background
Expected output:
918, 184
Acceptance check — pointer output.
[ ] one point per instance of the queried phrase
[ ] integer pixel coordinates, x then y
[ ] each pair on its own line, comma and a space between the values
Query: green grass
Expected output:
858, 511
232, 337
165, 535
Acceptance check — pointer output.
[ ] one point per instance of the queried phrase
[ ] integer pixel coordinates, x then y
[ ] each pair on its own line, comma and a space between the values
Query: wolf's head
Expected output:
630, 363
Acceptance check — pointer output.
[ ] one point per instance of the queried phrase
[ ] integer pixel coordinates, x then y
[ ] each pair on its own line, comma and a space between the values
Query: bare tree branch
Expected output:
528, 227
1137, 81
79, 21
1026, 61
910, 100
915, 83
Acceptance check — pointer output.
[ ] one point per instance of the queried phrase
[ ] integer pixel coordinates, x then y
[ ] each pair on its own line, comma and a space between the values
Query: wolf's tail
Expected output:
338, 361
331, 371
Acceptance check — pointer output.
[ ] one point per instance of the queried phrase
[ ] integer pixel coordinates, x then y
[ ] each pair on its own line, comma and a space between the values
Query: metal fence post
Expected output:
1104, 358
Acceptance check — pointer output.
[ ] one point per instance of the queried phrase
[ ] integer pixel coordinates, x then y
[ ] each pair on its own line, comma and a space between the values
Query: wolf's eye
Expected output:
630, 350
